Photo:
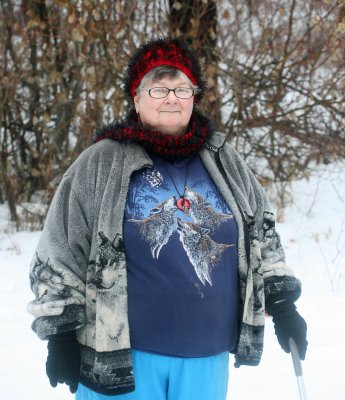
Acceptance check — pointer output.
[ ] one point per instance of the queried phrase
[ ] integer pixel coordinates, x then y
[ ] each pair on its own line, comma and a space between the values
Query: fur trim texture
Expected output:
163, 51
168, 146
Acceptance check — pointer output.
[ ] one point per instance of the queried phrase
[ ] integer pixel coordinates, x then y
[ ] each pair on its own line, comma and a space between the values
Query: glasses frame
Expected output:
170, 90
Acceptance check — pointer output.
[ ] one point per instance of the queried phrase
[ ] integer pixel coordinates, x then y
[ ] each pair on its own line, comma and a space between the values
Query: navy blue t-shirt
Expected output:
182, 264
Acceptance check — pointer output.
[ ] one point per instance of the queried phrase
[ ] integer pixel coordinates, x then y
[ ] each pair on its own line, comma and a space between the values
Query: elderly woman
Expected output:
159, 255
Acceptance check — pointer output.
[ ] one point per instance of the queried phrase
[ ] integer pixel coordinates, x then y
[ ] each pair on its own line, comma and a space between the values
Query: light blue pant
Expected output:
160, 377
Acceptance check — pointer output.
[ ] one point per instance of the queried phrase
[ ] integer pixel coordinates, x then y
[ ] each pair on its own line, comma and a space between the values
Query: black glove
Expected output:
63, 362
288, 323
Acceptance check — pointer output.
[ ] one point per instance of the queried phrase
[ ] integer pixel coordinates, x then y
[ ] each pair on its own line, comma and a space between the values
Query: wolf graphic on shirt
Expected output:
202, 212
159, 226
204, 253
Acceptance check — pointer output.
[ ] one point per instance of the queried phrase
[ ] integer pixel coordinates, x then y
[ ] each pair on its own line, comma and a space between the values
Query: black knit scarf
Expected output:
168, 146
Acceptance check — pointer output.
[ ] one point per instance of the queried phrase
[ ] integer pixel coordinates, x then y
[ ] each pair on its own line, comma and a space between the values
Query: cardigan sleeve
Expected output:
279, 280
58, 268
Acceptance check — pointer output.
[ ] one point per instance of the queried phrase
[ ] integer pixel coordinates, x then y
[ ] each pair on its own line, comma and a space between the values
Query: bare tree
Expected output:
197, 22
283, 76
275, 73
61, 65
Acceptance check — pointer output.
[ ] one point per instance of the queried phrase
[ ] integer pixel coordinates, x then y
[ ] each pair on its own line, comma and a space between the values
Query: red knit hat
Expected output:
164, 51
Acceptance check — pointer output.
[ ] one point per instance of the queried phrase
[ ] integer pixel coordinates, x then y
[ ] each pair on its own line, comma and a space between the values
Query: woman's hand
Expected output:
63, 362
288, 323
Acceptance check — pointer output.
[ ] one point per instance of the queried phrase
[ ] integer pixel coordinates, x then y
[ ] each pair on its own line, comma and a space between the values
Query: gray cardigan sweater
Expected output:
78, 273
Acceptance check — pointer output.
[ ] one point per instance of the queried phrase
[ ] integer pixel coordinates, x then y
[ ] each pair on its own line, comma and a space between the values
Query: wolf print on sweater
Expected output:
110, 254
161, 223
270, 244
54, 288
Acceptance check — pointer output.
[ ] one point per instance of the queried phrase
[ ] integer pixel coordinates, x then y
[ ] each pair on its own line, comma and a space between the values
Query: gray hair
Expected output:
158, 73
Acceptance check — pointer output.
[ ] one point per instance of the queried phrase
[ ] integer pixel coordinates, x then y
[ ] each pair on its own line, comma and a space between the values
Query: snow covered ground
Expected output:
314, 236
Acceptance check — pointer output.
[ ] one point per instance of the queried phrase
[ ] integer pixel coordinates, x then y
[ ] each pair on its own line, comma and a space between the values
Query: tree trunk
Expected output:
196, 21
11, 199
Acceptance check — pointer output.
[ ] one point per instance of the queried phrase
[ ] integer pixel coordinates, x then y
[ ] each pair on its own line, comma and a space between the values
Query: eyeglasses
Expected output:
180, 92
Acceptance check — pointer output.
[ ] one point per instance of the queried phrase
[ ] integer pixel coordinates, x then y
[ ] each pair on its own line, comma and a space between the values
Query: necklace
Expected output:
181, 203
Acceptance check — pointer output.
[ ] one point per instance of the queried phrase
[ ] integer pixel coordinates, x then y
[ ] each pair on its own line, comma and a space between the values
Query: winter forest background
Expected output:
276, 81
275, 72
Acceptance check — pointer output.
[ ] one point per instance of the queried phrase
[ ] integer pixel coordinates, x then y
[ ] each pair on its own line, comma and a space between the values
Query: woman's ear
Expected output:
136, 103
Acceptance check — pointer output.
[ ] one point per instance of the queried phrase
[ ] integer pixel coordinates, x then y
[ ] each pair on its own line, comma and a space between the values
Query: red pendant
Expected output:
183, 204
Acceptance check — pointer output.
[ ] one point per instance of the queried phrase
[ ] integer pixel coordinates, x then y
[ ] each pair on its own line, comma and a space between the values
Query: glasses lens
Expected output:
184, 93
158, 92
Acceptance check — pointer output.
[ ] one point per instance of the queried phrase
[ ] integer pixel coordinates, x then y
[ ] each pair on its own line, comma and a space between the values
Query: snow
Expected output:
313, 234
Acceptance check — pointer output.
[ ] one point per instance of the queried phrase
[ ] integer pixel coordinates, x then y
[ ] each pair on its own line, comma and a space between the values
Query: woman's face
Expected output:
170, 115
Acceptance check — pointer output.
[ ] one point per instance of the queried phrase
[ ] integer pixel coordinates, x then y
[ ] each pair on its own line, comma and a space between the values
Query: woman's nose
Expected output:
171, 98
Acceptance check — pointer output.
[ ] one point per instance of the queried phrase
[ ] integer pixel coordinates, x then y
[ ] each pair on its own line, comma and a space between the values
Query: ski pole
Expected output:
298, 369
